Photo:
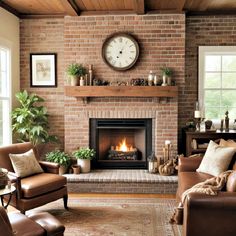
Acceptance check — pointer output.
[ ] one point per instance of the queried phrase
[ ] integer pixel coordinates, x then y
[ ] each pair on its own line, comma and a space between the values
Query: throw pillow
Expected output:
216, 159
228, 143
25, 164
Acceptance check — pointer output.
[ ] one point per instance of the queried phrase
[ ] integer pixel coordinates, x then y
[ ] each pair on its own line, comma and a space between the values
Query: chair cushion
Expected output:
22, 225
25, 164
51, 225
42, 183
216, 159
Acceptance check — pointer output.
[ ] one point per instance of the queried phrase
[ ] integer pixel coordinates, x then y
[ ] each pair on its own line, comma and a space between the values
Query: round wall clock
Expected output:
120, 51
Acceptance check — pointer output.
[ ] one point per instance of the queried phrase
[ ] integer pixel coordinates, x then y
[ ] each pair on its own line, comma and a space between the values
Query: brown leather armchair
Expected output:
205, 214
37, 224
35, 190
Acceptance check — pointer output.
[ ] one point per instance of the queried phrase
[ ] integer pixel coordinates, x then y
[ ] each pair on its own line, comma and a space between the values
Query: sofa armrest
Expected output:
50, 167
189, 164
210, 215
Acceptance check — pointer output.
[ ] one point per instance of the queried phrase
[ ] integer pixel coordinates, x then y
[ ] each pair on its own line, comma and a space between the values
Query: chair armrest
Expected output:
189, 164
50, 167
210, 215
17, 181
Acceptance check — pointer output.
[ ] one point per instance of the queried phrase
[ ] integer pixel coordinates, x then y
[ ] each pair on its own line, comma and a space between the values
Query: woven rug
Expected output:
115, 216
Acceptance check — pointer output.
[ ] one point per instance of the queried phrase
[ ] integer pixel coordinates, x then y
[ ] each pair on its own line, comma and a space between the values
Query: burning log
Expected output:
121, 155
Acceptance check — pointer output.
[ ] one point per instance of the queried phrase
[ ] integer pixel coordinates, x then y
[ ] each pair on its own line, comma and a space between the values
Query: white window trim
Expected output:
8, 46
212, 50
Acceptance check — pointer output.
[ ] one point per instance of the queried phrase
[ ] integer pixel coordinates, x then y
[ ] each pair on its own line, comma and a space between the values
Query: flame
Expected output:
123, 146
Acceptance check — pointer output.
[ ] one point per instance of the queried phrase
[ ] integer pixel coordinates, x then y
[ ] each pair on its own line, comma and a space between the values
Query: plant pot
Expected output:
76, 169
62, 170
164, 80
73, 80
85, 165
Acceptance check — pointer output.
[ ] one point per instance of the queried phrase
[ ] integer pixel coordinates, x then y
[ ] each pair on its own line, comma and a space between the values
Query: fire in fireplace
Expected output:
121, 143
123, 152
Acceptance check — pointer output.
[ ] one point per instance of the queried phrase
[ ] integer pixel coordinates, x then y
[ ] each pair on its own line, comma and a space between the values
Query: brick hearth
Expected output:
121, 181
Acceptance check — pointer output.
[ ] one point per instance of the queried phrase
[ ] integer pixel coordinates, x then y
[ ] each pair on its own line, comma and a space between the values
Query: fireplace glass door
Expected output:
121, 143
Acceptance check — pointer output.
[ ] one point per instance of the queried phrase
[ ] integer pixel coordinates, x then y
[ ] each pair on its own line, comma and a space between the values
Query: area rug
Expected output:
115, 216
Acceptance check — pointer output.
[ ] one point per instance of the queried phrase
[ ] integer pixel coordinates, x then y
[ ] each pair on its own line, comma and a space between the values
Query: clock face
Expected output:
120, 51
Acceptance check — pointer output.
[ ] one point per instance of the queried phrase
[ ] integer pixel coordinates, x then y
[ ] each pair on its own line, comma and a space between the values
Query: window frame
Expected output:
7, 131
202, 52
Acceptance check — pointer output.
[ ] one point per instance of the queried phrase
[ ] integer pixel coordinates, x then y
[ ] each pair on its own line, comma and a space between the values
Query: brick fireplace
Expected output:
163, 116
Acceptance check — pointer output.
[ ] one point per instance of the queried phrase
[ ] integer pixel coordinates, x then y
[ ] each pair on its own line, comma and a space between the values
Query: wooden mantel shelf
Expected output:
85, 92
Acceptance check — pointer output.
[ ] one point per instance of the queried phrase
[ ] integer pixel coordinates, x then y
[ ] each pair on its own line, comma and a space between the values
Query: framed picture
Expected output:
43, 70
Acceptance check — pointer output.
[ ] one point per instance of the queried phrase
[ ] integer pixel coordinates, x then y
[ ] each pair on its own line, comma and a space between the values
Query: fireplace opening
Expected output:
121, 143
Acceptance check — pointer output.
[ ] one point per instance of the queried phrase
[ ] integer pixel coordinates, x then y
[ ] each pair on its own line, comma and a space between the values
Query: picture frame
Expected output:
43, 70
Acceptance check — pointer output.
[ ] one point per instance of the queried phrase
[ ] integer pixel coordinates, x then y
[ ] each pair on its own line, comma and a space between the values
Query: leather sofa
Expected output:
205, 215
35, 190
37, 224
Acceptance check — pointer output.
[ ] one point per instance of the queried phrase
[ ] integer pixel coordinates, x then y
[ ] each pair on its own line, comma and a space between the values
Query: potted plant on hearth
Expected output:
84, 157
166, 76
74, 71
62, 158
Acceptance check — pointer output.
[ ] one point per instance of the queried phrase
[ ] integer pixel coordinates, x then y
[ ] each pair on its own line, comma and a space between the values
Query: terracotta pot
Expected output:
76, 169
62, 170
85, 165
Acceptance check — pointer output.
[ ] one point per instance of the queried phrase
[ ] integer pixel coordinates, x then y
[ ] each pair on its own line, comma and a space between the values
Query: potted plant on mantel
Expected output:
62, 158
166, 76
74, 71
84, 157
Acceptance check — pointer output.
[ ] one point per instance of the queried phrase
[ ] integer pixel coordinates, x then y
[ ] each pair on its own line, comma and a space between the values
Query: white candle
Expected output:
167, 142
197, 114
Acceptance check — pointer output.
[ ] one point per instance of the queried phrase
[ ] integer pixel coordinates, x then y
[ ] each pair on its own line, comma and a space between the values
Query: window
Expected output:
5, 130
217, 81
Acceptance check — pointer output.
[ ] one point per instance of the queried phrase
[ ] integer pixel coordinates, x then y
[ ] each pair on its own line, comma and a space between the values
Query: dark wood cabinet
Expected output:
196, 142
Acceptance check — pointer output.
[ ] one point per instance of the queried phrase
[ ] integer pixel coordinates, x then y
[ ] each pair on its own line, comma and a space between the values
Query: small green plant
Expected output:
59, 157
166, 71
30, 120
84, 153
76, 69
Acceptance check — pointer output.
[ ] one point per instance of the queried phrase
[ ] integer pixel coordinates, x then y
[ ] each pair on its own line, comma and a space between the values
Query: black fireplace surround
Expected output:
107, 134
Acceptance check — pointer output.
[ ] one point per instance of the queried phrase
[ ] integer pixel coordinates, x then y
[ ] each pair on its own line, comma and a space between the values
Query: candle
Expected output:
167, 142
197, 114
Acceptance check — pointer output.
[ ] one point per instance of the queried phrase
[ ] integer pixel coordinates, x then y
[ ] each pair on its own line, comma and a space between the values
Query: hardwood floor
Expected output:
114, 195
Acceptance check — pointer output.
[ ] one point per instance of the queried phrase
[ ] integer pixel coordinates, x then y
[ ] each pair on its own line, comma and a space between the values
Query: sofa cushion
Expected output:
231, 182
41, 183
216, 159
188, 179
25, 164
229, 143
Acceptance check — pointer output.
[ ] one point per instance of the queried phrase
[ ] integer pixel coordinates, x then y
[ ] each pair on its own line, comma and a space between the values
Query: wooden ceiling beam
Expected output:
181, 4
139, 7
9, 9
70, 7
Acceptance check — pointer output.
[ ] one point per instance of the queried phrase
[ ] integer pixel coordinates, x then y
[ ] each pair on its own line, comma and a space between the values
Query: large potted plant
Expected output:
30, 120
84, 157
62, 158
74, 71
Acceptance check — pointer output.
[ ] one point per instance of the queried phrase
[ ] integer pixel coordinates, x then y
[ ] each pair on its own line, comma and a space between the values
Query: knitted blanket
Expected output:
210, 187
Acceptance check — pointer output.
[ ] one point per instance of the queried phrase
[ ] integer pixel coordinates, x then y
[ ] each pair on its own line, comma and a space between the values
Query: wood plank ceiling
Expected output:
40, 8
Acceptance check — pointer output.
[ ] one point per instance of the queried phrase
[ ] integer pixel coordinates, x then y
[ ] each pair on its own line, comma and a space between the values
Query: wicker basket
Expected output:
3, 178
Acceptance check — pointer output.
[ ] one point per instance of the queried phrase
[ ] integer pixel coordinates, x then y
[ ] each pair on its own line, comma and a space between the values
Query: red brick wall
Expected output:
162, 42
201, 31
45, 36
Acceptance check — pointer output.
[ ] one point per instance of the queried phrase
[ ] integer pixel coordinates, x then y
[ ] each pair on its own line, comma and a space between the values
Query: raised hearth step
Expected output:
121, 181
